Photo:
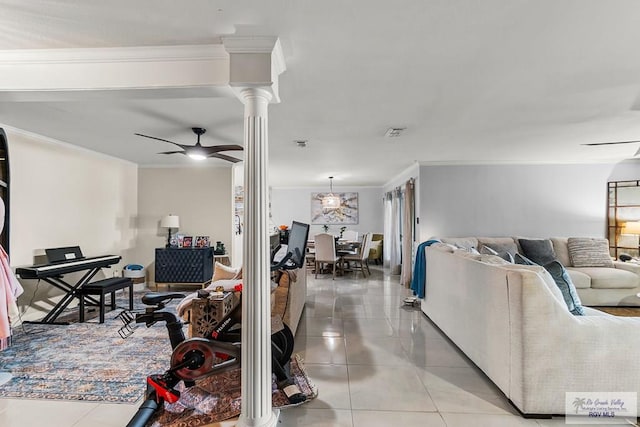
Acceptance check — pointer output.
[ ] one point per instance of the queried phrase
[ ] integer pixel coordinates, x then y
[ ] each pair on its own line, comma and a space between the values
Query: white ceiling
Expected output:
472, 81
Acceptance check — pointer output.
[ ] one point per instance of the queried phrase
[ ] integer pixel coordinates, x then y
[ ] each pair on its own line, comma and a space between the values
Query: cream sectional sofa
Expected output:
596, 286
513, 323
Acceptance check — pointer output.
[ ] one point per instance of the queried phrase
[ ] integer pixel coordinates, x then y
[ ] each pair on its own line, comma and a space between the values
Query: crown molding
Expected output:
11, 130
114, 54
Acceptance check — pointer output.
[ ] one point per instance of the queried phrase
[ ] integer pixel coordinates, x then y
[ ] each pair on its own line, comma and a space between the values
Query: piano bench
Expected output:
103, 287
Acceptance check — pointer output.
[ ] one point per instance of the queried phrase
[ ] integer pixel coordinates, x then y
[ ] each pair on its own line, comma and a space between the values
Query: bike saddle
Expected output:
154, 298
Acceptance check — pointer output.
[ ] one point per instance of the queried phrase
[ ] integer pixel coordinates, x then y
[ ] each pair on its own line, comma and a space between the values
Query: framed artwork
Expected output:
187, 242
347, 213
238, 209
202, 242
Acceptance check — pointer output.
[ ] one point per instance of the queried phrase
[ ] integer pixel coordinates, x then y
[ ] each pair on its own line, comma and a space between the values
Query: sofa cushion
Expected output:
580, 279
562, 279
223, 272
499, 244
589, 252
493, 259
539, 251
611, 278
465, 254
444, 247
561, 249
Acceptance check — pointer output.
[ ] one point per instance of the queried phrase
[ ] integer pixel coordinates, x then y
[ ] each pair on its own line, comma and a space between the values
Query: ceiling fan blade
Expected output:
173, 152
165, 140
217, 148
611, 143
224, 157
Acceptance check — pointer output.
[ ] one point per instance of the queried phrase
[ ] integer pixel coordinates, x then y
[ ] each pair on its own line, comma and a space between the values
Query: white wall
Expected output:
523, 200
62, 195
289, 204
200, 196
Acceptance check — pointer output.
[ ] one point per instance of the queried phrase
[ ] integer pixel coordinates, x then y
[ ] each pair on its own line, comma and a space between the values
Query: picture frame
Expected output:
202, 242
347, 213
187, 242
179, 239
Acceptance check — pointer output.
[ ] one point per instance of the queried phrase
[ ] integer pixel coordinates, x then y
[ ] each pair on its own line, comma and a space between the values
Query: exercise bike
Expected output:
197, 358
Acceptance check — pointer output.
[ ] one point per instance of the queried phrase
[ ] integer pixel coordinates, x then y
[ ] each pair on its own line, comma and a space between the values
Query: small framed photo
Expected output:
202, 242
187, 242
179, 239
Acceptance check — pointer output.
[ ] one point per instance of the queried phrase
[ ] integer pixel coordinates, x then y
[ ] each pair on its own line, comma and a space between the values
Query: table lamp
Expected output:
169, 222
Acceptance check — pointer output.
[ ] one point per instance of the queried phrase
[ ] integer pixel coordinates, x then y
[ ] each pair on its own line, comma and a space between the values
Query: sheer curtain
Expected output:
408, 234
393, 212
388, 215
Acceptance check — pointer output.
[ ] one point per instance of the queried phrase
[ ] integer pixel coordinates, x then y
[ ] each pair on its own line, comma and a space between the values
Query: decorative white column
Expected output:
256, 295
255, 62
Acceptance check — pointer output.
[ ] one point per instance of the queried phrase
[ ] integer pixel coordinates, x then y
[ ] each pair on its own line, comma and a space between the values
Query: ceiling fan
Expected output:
615, 143
198, 151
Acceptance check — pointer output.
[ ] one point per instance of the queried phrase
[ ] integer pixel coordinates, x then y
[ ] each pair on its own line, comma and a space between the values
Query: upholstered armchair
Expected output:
375, 253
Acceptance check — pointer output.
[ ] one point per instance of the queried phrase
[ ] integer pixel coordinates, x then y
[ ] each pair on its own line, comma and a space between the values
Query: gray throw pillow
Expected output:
589, 252
521, 259
563, 281
488, 250
498, 244
539, 251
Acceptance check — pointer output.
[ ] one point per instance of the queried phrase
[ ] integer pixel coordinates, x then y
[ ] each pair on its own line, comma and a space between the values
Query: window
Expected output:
624, 206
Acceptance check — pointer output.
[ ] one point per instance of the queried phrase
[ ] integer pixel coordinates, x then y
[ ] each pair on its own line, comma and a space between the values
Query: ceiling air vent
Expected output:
394, 132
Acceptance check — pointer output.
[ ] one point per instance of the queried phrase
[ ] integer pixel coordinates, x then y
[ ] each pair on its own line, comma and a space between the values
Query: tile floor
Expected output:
375, 362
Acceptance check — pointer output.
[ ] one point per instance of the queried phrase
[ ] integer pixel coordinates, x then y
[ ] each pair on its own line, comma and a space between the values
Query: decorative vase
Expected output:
219, 249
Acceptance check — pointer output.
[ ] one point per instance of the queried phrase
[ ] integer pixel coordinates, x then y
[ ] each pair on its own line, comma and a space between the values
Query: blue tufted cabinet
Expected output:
184, 265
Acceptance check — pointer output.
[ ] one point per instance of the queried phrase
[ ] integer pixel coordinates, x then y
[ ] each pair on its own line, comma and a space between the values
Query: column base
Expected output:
272, 421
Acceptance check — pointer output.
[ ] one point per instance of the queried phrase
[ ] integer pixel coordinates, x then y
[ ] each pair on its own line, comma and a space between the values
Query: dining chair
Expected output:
360, 259
310, 258
325, 245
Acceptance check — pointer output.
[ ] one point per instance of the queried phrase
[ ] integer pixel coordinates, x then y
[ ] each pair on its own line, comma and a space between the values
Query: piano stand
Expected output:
103, 287
53, 274
71, 293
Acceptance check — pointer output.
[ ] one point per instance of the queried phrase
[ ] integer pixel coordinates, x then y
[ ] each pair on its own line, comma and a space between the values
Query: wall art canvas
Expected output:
347, 213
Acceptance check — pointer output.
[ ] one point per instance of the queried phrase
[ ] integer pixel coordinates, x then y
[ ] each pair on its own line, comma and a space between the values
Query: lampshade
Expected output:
170, 221
631, 227
330, 201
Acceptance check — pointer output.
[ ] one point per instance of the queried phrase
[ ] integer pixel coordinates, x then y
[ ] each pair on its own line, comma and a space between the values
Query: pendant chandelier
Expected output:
330, 201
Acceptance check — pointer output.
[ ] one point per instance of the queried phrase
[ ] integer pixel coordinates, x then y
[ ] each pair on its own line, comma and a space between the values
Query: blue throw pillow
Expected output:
569, 293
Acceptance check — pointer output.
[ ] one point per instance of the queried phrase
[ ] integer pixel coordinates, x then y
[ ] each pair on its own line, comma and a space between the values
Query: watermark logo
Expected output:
601, 408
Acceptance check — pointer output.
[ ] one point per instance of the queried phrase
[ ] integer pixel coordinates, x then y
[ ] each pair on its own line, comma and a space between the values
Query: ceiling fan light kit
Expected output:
198, 151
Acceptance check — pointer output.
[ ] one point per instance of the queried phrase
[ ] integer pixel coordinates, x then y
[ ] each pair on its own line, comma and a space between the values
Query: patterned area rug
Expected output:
217, 398
84, 361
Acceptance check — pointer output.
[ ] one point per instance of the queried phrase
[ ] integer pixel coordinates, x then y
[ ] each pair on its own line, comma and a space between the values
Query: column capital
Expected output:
247, 93
255, 62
